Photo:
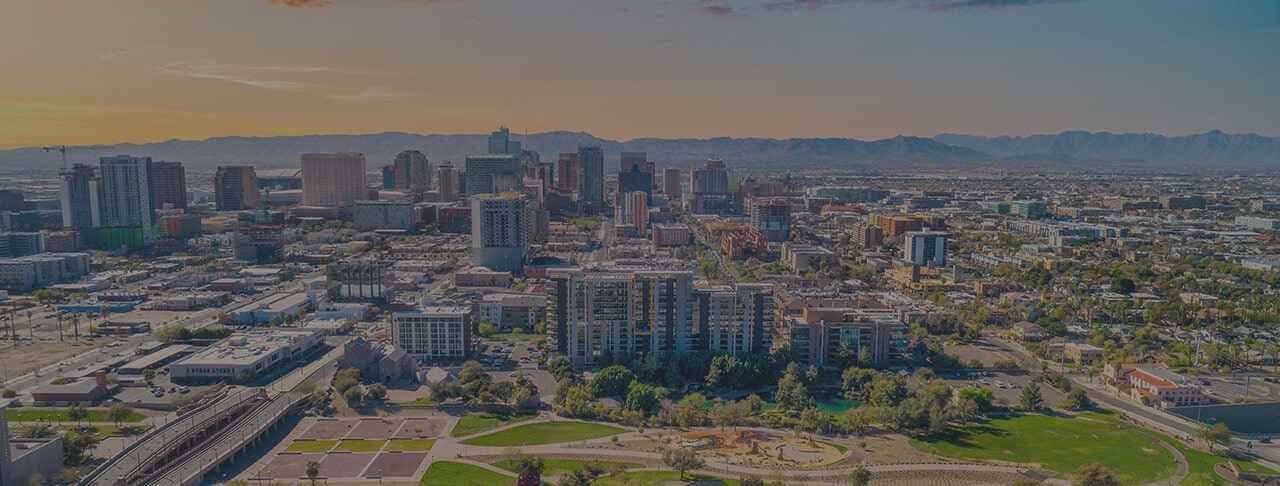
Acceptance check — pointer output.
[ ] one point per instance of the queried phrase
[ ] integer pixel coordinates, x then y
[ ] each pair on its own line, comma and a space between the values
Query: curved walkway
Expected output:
451, 449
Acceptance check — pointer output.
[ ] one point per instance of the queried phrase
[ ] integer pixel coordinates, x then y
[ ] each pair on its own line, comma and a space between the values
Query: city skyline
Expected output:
858, 69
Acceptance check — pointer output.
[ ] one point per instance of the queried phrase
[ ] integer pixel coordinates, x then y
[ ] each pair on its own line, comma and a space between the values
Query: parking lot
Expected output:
508, 356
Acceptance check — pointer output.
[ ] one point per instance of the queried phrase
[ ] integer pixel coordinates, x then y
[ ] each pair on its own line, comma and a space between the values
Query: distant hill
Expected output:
1206, 150
1068, 149
381, 148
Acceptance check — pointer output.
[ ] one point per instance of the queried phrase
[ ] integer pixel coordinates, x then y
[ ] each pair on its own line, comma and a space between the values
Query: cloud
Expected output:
720, 12
224, 72
302, 3
376, 93
743, 9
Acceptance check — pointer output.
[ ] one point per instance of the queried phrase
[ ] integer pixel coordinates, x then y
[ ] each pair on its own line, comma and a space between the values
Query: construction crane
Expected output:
63, 150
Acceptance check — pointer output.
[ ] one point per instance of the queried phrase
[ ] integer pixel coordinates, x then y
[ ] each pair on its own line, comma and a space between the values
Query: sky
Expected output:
81, 72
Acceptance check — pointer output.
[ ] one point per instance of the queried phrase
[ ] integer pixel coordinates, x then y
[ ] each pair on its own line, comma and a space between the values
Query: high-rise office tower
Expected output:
925, 248
500, 143
635, 180
637, 160
671, 183
773, 220
81, 200
333, 179
448, 182
389, 177
412, 171
632, 209
168, 185
567, 174
127, 214
709, 190
590, 174
493, 174
235, 188
500, 231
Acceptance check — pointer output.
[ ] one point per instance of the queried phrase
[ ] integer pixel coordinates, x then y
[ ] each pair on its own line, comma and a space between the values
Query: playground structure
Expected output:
760, 447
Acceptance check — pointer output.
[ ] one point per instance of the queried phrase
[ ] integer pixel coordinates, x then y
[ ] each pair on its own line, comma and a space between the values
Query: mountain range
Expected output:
1065, 150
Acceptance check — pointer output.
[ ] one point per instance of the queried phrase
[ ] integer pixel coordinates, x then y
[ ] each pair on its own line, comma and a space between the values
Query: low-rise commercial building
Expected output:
247, 354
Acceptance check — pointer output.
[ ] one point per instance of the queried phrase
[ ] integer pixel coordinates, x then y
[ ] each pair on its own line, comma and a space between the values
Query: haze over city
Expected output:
145, 71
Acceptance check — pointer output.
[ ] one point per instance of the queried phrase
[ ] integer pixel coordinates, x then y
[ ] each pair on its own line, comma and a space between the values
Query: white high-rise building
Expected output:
925, 248
736, 319
500, 231
433, 333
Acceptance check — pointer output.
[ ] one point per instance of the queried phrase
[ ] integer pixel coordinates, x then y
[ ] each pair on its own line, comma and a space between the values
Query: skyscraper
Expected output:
127, 213
590, 174
773, 220
500, 143
925, 248
235, 188
448, 182
635, 180
168, 185
81, 202
493, 174
637, 160
333, 179
500, 231
736, 319
594, 314
567, 174
671, 183
632, 209
709, 191
412, 171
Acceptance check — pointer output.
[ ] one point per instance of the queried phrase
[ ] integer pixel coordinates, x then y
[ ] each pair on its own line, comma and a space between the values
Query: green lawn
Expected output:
448, 473
554, 467
479, 422
1199, 463
411, 445
311, 445
60, 415
838, 447
1056, 443
359, 445
658, 477
544, 433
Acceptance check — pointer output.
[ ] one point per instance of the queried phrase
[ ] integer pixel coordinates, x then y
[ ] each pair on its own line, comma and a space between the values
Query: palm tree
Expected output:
30, 331
105, 312
313, 471
75, 322
60, 326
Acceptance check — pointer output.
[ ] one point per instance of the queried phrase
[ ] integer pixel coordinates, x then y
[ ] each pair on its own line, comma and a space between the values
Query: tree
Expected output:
981, 396
860, 476
313, 471
1031, 399
77, 413
353, 395
689, 411
77, 446
1216, 434
149, 375
1077, 399
376, 392
750, 480
644, 398
730, 414
561, 369
682, 460
792, 395
887, 391
119, 412
612, 381
963, 409
486, 330
813, 419
472, 370
1095, 474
